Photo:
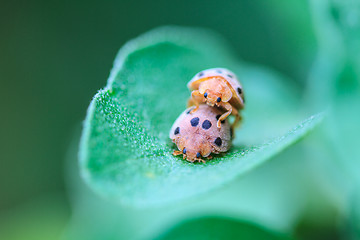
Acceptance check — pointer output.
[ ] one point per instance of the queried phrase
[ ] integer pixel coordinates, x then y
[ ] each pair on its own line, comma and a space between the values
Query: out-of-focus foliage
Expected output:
337, 67
218, 228
41, 219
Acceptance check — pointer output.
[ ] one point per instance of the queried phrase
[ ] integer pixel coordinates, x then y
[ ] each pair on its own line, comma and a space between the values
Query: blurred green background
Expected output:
55, 55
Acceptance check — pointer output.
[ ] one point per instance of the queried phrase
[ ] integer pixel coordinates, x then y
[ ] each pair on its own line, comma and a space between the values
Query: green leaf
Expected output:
219, 228
94, 217
125, 153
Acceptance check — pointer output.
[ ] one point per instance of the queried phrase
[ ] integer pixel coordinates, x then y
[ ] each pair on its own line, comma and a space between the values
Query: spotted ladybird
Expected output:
217, 87
197, 136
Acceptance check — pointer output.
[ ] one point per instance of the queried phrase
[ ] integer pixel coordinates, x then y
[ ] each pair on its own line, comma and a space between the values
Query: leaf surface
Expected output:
125, 153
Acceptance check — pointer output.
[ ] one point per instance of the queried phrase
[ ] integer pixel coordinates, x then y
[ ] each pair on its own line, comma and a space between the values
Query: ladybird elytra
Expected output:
196, 143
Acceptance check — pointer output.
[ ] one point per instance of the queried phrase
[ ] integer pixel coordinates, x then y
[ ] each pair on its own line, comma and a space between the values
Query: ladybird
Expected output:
197, 136
217, 87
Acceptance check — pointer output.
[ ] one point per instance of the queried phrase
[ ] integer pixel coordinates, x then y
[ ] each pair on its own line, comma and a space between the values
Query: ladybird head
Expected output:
212, 97
194, 148
215, 90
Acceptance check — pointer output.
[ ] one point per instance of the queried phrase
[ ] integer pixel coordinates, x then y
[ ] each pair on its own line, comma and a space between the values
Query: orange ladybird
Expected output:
217, 87
197, 136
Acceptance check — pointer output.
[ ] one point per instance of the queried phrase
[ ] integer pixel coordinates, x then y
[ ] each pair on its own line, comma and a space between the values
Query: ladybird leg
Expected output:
209, 157
189, 159
176, 152
196, 97
200, 160
229, 109
190, 102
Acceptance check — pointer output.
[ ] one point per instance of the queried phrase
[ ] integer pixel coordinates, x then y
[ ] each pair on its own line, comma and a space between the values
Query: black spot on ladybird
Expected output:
218, 99
201, 74
206, 124
231, 133
230, 76
177, 130
194, 122
217, 118
198, 155
218, 141
239, 90
205, 95
219, 71
184, 151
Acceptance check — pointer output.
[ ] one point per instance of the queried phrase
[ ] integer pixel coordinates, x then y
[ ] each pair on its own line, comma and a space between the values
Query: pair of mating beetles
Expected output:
203, 129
